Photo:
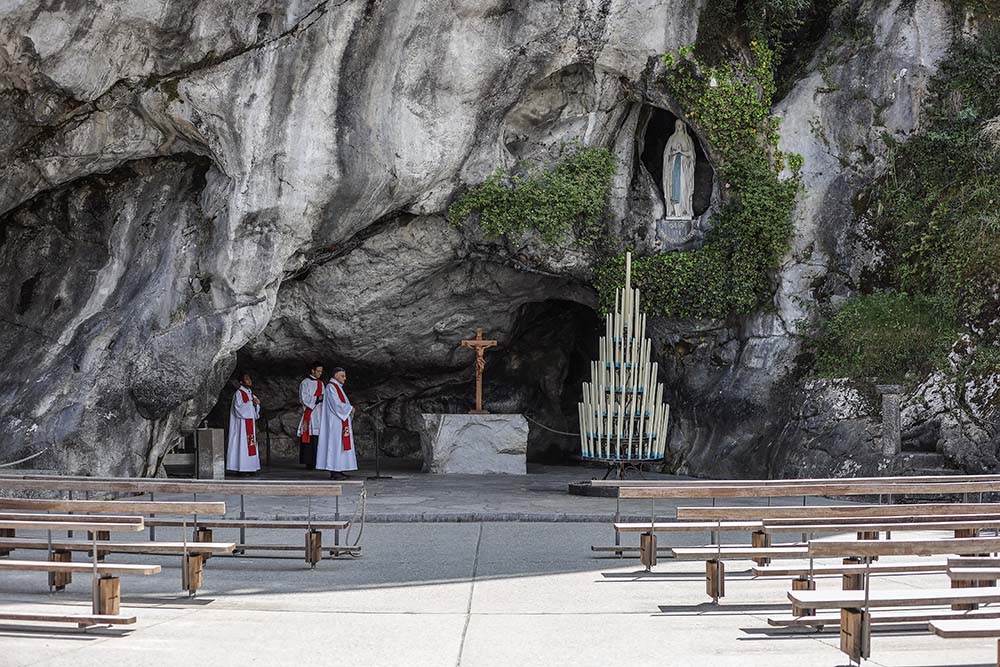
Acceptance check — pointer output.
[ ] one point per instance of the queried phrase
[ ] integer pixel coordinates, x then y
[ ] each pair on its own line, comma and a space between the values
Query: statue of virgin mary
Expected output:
678, 173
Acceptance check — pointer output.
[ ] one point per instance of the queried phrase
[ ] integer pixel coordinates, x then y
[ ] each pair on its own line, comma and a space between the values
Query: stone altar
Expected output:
476, 444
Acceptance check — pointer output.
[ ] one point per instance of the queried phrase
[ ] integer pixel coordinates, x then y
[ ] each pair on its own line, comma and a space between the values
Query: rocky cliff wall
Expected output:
184, 182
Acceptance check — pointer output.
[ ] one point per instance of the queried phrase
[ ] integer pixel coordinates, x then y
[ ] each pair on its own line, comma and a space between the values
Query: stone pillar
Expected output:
211, 446
891, 430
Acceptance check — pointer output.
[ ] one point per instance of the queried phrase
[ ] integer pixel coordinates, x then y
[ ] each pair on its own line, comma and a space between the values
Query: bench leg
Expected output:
108, 595
6, 532
314, 547
59, 580
192, 568
203, 535
715, 579
647, 550
760, 540
856, 581
803, 584
855, 634
102, 535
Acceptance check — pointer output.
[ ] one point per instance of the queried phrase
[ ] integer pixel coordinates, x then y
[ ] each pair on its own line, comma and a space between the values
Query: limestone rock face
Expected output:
187, 186
475, 444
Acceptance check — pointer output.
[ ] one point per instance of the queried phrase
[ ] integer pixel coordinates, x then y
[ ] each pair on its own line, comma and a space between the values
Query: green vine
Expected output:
935, 217
729, 275
568, 197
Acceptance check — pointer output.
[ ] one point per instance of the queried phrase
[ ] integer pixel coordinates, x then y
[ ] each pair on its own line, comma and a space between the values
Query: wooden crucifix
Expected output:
479, 345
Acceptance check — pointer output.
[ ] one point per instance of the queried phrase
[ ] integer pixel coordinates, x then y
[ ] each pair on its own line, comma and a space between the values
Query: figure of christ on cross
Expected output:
479, 345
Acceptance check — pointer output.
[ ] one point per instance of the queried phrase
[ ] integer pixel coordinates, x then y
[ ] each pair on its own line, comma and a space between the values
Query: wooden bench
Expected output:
192, 560
312, 544
80, 620
813, 512
106, 588
968, 628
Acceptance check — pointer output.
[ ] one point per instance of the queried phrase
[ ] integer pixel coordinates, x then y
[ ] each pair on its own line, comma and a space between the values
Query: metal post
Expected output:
336, 517
243, 529
618, 515
713, 536
95, 593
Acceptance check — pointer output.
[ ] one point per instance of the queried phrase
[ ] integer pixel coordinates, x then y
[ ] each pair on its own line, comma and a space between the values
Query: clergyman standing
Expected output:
336, 431
311, 397
241, 451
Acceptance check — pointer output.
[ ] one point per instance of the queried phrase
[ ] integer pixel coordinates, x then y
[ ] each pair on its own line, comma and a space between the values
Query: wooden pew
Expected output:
855, 626
762, 513
968, 628
80, 620
192, 560
312, 543
106, 588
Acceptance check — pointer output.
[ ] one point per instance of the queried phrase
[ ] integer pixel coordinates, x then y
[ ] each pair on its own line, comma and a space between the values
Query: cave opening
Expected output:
656, 126
542, 371
537, 371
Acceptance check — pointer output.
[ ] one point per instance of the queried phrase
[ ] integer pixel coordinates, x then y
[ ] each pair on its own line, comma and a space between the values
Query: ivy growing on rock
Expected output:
554, 201
935, 216
730, 104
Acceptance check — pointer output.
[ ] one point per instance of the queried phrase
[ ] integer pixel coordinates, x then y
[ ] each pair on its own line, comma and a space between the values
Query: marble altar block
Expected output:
475, 444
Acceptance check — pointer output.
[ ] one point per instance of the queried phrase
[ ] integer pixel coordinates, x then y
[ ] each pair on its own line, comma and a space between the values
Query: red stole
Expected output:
248, 423
308, 415
345, 434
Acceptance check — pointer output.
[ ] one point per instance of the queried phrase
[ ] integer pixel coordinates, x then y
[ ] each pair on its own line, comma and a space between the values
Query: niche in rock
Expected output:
649, 192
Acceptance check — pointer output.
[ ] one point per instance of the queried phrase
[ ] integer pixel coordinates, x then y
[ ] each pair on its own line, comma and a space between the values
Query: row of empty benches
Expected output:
95, 525
965, 553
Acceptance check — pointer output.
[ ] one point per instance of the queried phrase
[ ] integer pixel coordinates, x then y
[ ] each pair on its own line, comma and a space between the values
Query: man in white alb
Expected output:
241, 452
336, 430
311, 398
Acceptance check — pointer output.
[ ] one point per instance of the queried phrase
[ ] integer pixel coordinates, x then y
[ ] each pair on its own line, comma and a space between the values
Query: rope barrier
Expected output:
536, 423
26, 458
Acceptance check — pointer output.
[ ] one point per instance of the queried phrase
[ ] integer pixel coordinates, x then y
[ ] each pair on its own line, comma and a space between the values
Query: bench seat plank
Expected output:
701, 526
122, 547
929, 547
80, 524
911, 597
213, 507
886, 616
102, 568
253, 523
122, 485
832, 488
875, 568
974, 573
737, 552
816, 511
80, 619
973, 627
825, 527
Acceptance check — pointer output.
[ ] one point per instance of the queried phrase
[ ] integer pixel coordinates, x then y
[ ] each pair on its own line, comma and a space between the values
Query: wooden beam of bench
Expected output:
121, 547
932, 479
831, 489
736, 552
845, 511
79, 619
911, 597
961, 545
850, 521
879, 526
974, 561
974, 573
253, 523
4, 474
972, 627
123, 506
79, 524
884, 616
54, 566
303, 489
875, 568
680, 526
104, 518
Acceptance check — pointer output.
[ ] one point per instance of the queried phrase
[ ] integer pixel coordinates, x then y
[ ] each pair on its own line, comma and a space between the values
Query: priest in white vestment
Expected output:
311, 398
241, 451
335, 451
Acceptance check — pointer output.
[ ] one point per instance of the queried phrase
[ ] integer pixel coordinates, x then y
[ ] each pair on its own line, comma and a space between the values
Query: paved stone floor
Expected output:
476, 593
